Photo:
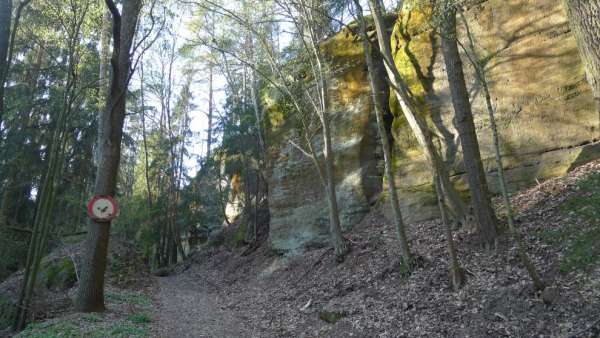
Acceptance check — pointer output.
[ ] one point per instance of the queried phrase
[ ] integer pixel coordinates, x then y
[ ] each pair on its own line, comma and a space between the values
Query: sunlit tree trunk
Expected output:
480, 197
584, 17
480, 72
339, 243
210, 111
145, 137
416, 123
383, 135
456, 275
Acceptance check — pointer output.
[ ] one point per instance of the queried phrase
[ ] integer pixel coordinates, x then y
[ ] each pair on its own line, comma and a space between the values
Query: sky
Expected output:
199, 119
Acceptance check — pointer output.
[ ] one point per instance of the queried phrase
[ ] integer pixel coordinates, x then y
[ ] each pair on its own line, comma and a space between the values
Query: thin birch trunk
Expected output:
416, 123
383, 135
516, 236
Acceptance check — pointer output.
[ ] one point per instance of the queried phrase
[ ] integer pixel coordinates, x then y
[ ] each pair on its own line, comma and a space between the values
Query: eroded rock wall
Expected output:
545, 113
544, 108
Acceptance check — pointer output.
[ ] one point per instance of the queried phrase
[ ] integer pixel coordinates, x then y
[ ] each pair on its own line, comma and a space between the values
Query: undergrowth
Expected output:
134, 323
581, 238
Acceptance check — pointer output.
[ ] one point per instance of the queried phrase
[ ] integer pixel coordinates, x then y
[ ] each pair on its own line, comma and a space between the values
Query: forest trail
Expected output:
220, 292
187, 308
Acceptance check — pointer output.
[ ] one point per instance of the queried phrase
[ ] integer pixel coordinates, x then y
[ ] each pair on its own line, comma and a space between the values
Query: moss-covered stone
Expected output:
332, 317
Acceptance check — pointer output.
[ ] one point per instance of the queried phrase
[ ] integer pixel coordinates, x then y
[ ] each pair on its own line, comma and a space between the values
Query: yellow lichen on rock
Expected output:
412, 44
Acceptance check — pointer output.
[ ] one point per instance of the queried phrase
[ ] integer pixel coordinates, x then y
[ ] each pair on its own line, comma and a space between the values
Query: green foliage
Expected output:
134, 324
7, 313
332, 317
92, 317
12, 252
59, 274
139, 318
70, 328
50, 330
581, 245
133, 298
240, 235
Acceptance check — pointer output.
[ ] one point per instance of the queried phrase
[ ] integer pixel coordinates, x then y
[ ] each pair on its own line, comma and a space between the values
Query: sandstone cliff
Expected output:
545, 111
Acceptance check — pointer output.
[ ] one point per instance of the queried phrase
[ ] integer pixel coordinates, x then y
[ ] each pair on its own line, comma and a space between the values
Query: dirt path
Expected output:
188, 309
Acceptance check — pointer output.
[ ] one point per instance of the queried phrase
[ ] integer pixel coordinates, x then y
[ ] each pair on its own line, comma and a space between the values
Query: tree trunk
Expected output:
335, 229
385, 143
416, 123
475, 61
18, 184
5, 27
480, 196
210, 111
584, 18
521, 249
103, 77
90, 296
11, 33
145, 138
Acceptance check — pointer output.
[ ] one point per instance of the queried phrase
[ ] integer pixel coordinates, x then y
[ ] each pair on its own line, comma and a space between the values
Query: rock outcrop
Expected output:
546, 116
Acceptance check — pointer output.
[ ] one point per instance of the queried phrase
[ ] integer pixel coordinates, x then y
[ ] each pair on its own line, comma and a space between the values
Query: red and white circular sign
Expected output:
102, 208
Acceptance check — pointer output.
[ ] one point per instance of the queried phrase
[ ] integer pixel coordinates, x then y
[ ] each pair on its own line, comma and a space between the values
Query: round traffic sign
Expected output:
102, 208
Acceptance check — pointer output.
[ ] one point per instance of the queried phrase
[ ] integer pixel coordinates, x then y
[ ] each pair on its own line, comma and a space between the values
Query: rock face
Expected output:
545, 113
296, 196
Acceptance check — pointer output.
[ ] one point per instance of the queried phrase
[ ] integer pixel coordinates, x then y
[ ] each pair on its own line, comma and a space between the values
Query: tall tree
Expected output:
383, 135
5, 27
463, 117
90, 297
415, 121
7, 41
584, 17
309, 22
478, 64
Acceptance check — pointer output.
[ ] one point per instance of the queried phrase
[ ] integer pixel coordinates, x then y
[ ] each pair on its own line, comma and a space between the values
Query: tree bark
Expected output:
5, 28
385, 143
416, 123
210, 111
18, 184
12, 33
475, 61
90, 296
584, 18
476, 178
145, 138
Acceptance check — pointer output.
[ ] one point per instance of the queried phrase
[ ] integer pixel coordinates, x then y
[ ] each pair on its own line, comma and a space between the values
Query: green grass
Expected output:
134, 324
92, 317
581, 246
71, 329
55, 330
139, 318
129, 298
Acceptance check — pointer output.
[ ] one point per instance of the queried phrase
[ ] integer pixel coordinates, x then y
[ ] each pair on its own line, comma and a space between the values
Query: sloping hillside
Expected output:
265, 295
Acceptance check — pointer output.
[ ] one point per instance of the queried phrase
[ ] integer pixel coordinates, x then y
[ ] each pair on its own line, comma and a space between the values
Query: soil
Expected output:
222, 293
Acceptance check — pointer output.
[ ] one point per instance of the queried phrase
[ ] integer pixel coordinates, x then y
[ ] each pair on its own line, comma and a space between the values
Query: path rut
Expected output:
186, 308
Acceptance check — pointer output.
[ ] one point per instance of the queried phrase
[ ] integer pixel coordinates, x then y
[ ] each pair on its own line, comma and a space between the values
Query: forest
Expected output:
300, 168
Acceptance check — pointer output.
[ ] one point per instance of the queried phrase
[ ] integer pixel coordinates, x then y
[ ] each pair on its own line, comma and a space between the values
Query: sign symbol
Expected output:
103, 208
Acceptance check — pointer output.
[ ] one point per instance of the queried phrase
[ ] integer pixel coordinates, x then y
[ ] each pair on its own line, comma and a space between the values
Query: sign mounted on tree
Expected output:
102, 208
